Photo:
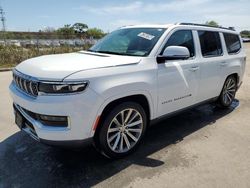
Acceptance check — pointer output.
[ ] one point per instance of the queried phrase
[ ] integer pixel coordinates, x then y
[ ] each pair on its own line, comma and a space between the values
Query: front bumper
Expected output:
81, 110
69, 143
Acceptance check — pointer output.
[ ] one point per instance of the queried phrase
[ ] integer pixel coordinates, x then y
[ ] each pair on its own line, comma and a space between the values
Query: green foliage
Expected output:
67, 30
80, 27
95, 33
12, 35
212, 23
13, 55
245, 33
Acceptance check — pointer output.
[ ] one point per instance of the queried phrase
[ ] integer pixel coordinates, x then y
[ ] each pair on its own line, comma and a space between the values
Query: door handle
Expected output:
223, 64
193, 69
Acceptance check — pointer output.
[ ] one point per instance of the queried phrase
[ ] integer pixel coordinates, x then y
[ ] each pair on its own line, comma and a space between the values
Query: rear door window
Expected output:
210, 43
232, 42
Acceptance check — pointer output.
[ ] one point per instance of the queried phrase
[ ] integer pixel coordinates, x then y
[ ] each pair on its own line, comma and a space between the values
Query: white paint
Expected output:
112, 77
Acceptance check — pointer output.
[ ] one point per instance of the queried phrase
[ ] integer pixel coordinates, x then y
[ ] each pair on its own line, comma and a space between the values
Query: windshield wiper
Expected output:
109, 52
105, 52
89, 50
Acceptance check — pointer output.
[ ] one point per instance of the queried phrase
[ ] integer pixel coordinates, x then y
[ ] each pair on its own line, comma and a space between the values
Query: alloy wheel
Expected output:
229, 91
125, 130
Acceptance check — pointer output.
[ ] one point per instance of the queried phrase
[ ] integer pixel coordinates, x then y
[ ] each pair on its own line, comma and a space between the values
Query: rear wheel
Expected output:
228, 92
122, 130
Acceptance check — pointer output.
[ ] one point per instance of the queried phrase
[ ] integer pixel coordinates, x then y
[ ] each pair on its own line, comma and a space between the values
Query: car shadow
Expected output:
25, 163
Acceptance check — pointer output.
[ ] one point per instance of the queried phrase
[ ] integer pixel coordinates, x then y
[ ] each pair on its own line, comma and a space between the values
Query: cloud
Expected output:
139, 6
114, 9
126, 22
228, 13
44, 16
171, 6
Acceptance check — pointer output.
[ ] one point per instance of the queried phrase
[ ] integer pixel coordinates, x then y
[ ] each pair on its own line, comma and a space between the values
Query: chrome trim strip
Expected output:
31, 120
65, 82
29, 132
24, 76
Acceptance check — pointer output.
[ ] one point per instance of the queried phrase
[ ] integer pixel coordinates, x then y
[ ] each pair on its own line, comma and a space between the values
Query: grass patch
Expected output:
12, 55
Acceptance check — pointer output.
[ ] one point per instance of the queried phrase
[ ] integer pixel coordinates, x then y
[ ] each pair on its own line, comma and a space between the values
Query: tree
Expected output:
67, 30
212, 23
245, 33
95, 33
49, 29
80, 27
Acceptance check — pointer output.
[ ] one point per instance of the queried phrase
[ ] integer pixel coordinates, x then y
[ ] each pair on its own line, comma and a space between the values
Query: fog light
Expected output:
53, 118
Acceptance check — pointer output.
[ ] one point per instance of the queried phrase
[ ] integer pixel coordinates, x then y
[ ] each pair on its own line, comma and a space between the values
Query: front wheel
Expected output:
122, 130
228, 92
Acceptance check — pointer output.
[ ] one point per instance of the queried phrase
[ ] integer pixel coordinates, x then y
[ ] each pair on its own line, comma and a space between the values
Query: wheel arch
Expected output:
236, 75
141, 99
221, 99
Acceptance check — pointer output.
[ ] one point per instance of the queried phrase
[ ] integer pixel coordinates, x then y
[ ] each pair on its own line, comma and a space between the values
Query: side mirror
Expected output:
174, 53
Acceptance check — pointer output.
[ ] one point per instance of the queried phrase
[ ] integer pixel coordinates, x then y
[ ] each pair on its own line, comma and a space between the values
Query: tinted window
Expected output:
210, 43
129, 41
181, 38
232, 43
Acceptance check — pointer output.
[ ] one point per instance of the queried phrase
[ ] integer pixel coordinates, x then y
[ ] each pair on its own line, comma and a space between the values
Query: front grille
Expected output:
28, 86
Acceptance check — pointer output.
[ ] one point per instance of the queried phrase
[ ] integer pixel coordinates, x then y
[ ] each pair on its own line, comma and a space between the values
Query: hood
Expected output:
57, 67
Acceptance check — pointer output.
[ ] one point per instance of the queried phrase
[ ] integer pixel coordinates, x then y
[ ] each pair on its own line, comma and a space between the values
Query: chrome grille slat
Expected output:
15, 78
19, 82
28, 86
22, 84
35, 90
25, 85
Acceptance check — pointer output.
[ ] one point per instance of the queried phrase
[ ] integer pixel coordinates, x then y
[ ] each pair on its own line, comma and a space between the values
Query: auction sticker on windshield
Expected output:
146, 36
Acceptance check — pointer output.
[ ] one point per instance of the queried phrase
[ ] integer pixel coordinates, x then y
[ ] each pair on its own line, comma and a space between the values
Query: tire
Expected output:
122, 130
228, 92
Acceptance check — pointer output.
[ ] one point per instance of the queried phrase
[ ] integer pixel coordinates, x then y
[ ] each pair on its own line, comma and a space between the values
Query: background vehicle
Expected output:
134, 75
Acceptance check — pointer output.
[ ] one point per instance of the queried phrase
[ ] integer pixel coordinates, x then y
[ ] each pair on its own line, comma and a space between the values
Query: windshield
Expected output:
129, 41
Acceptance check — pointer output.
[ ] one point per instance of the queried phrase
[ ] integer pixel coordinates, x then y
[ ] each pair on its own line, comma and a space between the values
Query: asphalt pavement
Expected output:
203, 147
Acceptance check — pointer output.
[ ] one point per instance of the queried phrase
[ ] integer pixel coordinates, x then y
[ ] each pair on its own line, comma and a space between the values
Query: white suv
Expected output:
109, 94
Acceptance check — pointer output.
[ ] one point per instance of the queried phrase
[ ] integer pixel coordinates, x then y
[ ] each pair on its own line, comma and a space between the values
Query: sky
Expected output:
33, 15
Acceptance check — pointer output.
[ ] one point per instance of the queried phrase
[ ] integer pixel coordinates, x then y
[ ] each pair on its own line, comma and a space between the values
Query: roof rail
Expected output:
204, 25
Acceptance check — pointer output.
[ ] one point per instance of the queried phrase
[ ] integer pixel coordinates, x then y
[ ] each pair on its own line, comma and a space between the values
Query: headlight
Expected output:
62, 87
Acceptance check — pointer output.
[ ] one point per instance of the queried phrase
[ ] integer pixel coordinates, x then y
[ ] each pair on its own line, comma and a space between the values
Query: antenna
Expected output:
2, 18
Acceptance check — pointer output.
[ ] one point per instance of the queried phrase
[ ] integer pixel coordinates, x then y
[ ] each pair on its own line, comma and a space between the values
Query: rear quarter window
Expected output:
232, 43
210, 43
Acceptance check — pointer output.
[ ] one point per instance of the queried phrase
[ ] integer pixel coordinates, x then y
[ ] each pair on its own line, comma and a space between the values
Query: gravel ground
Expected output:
203, 147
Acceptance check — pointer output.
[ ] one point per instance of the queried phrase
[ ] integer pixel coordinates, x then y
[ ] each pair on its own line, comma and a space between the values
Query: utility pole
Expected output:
3, 19
2, 13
